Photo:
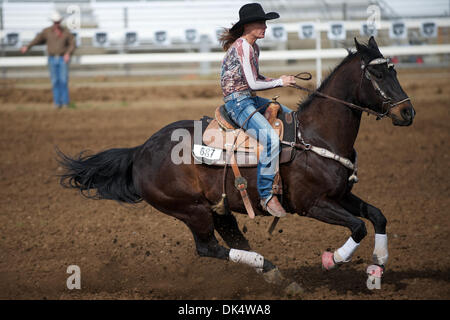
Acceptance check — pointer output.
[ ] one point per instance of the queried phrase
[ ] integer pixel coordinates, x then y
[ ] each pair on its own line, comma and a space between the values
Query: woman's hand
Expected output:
287, 80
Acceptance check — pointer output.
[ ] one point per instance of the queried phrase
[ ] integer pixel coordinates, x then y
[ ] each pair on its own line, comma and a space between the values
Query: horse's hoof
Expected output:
273, 276
328, 261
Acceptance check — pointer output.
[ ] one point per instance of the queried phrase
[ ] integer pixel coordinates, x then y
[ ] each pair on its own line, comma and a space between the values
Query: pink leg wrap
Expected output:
328, 261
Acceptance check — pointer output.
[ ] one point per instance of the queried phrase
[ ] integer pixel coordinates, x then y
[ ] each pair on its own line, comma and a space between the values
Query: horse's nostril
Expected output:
407, 113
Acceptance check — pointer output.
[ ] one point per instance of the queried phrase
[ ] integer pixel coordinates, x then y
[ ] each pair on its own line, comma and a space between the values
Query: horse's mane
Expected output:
303, 104
368, 51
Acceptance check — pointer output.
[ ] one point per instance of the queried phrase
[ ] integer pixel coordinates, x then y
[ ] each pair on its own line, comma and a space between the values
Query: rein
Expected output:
366, 73
349, 104
327, 153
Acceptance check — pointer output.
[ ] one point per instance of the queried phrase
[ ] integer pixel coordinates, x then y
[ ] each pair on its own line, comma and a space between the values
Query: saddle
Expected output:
225, 143
221, 133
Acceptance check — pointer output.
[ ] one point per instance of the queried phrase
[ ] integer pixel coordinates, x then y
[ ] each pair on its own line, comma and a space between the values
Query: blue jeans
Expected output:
59, 75
259, 128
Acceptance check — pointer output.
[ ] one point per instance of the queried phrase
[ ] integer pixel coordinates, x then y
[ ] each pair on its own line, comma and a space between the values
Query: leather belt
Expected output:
239, 94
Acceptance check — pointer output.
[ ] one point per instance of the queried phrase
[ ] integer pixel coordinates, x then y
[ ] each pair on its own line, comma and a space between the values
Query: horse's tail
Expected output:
105, 175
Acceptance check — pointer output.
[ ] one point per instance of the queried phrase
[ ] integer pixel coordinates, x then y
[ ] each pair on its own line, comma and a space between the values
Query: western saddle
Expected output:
238, 149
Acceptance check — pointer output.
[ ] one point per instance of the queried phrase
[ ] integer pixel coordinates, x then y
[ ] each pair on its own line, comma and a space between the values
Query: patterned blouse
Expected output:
240, 70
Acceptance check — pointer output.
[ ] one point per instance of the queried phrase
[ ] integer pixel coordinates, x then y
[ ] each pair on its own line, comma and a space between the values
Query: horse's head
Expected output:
379, 88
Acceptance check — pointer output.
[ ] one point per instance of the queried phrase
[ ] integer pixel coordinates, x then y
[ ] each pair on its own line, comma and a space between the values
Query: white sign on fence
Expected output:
100, 39
191, 35
278, 33
12, 39
307, 31
428, 29
398, 30
161, 37
368, 30
336, 31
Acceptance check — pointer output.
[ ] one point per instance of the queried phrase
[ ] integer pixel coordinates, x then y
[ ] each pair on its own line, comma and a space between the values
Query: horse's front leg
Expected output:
330, 211
362, 209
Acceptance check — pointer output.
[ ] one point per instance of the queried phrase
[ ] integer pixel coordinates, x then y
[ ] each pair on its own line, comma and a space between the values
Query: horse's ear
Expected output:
372, 43
374, 46
358, 46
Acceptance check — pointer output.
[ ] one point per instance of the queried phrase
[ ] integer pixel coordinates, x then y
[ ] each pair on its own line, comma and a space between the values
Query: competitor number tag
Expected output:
207, 152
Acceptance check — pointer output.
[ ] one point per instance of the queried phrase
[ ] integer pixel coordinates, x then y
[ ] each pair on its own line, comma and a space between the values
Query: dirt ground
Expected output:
136, 252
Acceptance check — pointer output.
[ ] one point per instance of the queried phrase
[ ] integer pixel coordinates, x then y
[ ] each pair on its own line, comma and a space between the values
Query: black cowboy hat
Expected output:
252, 12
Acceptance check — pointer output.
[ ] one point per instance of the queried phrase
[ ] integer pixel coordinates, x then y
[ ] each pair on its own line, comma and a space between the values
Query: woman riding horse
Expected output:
318, 180
239, 79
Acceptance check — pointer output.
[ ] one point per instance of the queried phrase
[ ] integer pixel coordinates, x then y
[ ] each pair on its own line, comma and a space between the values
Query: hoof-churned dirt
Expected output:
136, 252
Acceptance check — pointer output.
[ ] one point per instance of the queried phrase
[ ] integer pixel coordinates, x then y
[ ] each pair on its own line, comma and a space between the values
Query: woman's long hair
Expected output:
228, 37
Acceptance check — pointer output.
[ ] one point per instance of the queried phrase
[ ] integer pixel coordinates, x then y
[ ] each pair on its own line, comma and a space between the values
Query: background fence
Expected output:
179, 37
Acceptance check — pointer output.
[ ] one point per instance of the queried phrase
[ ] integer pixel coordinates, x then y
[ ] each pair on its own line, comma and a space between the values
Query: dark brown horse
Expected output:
314, 186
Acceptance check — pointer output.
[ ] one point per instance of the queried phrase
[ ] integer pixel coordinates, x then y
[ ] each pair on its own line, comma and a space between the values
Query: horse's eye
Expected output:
377, 74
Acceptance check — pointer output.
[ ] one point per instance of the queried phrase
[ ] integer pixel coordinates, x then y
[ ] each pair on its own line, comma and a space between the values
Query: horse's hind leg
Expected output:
226, 225
200, 222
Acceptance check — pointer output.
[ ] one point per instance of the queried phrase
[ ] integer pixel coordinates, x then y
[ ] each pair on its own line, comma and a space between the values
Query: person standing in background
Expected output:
60, 46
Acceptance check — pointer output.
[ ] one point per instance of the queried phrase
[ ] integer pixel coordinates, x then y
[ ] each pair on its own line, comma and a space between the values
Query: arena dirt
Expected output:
136, 252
